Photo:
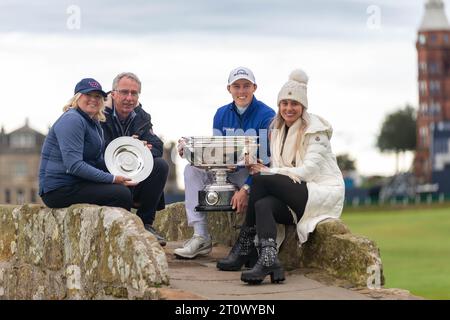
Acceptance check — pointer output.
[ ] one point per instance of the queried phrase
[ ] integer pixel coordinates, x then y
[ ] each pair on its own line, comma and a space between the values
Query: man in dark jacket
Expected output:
127, 118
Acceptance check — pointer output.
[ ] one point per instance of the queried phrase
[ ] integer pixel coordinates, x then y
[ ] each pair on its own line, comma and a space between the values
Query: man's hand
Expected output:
240, 201
180, 146
148, 145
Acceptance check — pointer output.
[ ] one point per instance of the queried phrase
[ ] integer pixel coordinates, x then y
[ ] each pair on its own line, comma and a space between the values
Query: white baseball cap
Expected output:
241, 73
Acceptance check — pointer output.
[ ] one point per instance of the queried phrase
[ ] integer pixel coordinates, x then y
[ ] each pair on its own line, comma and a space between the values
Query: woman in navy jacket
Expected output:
72, 168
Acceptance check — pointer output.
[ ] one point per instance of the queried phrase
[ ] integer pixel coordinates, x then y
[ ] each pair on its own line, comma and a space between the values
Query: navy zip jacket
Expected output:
254, 121
72, 152
139, 124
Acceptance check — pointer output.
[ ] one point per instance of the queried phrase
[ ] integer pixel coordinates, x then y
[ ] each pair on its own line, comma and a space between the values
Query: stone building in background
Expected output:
432, 160
20, 153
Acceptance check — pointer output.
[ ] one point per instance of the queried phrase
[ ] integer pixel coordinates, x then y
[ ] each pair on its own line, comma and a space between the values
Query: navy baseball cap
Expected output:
88, 85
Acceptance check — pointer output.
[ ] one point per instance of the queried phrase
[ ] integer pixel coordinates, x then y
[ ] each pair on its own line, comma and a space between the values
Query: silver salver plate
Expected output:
128, 157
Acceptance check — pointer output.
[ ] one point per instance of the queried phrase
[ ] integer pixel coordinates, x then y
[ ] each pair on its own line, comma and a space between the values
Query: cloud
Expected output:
286, 18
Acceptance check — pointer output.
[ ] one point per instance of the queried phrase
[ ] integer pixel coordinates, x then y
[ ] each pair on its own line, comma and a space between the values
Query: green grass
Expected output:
414, 246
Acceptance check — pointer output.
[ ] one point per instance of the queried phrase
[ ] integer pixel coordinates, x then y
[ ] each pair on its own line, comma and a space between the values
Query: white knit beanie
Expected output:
295, 88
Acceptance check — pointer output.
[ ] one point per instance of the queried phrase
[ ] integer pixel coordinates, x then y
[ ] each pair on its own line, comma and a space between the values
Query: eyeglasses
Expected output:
125, 93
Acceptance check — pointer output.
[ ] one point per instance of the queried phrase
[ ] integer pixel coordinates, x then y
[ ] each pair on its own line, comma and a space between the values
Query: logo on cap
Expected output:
94, 84
240, 71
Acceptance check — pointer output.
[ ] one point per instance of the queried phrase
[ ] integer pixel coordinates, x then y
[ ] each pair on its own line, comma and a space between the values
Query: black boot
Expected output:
243, 252
160, 238
267, 263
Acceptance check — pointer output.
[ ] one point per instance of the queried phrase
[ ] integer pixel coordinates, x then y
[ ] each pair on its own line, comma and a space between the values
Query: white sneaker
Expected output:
195, 246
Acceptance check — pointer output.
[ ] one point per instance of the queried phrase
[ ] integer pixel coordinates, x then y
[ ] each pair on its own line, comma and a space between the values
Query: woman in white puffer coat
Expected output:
303, 185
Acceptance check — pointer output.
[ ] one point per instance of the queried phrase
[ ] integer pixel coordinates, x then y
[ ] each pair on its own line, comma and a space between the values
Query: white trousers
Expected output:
195, 180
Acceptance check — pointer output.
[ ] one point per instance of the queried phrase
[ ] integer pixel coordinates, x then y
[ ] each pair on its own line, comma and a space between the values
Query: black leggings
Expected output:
270, 196
102, 194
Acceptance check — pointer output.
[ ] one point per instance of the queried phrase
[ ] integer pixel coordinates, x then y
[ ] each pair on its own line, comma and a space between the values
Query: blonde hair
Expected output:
278, 122
73, 104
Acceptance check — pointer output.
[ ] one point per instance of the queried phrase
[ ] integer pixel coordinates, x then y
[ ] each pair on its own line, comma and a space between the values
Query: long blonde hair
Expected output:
73, 104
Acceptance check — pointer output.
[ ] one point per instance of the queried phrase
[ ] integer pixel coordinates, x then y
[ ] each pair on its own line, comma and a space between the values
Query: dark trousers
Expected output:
148, 193
270, 196
102, 194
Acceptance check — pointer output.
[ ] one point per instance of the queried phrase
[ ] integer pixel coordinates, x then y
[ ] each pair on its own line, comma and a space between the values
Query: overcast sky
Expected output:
324, 18
360, 56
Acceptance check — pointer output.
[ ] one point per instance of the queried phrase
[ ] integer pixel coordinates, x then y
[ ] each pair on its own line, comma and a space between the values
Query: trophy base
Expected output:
215, 201
214, 208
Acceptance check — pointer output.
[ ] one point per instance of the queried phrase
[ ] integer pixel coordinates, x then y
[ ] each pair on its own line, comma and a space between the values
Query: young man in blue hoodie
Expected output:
244, 116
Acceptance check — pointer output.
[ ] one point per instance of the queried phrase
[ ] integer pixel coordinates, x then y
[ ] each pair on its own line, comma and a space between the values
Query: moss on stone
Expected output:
79, 252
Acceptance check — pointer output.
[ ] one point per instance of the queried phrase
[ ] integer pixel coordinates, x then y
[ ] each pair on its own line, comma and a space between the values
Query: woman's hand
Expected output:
124, 181
257, 168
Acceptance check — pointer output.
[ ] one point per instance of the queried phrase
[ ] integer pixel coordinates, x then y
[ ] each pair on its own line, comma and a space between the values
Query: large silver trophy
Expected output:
219, 155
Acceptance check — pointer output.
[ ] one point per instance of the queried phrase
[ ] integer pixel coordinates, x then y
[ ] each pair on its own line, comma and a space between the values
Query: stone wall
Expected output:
331, 247
82, 252
172, 223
